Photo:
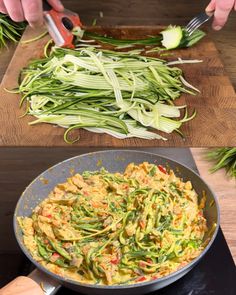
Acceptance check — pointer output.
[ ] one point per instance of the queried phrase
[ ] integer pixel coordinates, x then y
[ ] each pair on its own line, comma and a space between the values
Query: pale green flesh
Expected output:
172, 37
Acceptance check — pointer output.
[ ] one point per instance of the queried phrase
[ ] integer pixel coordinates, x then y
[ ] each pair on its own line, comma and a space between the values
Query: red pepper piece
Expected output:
142, 224
141, 279
162, 169
55, 255
115, 261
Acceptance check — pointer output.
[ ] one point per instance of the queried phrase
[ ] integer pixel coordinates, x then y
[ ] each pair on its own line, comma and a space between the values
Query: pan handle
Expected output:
37, 283
49, 286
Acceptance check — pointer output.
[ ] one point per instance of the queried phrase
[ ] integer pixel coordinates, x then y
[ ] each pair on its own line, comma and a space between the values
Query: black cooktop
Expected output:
214, 275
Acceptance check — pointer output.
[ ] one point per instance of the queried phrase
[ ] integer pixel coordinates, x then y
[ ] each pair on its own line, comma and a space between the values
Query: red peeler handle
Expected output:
60, 25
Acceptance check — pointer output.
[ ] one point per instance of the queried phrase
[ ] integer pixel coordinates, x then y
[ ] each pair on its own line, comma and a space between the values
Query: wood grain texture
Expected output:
225, 190
216, 105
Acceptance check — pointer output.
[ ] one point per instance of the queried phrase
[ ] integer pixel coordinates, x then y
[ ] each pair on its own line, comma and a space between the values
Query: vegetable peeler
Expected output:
60, 25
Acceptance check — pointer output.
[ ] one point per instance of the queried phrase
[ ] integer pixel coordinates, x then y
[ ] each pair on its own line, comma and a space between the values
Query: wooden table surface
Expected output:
149, 12
217, 99
156, 12
225, 190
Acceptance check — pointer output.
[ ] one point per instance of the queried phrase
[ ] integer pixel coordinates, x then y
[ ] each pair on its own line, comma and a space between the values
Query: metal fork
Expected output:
197, 21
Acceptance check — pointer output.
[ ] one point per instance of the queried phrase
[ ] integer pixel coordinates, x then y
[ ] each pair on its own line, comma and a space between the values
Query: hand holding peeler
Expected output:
60, 25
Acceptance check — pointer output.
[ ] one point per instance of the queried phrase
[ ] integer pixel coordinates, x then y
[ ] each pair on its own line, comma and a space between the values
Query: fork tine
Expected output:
197, 21
200, 18
194, 28
196, 25
191, 22
190, 26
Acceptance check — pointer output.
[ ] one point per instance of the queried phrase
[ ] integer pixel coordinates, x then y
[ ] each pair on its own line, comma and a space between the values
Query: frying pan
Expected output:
113, 161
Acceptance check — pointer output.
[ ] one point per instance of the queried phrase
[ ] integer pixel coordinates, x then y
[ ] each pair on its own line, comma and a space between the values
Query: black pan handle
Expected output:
46, 6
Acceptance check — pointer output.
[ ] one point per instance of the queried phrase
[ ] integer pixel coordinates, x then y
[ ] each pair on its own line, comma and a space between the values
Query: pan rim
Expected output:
116, 287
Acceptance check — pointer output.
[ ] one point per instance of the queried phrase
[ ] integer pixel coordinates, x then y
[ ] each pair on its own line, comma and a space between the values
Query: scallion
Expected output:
9, 30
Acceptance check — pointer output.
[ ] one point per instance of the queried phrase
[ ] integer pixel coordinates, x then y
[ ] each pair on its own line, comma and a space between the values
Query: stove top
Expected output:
214, 275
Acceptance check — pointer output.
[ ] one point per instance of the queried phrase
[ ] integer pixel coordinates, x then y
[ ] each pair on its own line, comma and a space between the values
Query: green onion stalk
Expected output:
223, 158
9, 30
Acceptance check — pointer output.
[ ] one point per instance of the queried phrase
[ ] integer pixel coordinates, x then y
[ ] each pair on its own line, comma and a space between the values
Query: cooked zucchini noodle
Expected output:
112, 228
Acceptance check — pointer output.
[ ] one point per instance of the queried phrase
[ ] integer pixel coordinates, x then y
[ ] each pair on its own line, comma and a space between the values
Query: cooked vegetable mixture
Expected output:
105, 228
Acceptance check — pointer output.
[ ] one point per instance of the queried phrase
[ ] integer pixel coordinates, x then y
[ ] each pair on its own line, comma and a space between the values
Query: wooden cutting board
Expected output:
214, 125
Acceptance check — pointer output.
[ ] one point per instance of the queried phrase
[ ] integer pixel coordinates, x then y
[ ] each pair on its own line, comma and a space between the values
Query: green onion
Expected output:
9, 30
224, 158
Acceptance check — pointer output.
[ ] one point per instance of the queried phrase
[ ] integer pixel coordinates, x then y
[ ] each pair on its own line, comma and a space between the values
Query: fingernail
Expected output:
217, 28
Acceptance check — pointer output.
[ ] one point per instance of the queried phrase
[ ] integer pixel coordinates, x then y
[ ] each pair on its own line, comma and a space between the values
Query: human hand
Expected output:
221, 10
29, 10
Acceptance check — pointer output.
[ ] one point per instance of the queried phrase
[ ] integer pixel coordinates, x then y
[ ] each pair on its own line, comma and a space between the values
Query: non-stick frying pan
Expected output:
113, 161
